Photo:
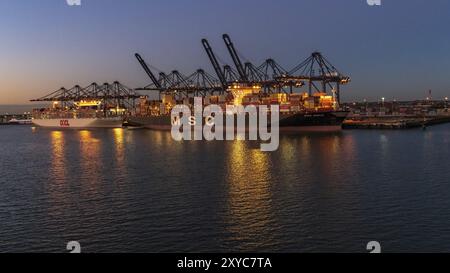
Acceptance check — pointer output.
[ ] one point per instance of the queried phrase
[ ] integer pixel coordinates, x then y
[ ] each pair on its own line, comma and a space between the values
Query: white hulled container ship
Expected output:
82, 114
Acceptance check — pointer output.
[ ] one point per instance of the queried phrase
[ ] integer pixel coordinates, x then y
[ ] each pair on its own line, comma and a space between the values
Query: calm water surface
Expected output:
139, 191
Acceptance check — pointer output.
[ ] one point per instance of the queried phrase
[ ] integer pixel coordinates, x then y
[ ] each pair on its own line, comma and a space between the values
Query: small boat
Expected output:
20, 121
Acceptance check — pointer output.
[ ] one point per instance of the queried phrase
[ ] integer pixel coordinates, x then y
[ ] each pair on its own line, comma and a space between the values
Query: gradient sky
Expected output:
398, 50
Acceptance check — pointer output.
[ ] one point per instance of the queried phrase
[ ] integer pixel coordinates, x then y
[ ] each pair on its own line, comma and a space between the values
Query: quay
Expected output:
396, 114
393, 122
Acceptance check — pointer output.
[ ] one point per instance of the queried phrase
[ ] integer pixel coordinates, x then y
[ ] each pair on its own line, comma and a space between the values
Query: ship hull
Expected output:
329, 121
79, 123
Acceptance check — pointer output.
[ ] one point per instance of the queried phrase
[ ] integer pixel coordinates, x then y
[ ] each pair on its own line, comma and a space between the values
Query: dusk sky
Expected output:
398, 50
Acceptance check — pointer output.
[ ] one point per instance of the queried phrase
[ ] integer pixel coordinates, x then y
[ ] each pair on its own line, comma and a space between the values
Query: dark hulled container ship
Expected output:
326, 121
298, 111
265, 85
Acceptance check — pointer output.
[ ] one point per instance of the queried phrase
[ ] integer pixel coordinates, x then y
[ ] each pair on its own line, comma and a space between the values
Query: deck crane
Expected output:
235, 57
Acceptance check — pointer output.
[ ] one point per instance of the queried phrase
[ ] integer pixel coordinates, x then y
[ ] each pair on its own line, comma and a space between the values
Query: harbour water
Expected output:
139, 191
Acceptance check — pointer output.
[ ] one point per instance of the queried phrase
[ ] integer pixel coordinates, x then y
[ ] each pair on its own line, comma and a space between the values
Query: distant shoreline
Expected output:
13, 109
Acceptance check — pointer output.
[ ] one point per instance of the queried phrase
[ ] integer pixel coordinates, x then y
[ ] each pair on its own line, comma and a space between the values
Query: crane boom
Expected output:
148, 71
215, 63
235, 57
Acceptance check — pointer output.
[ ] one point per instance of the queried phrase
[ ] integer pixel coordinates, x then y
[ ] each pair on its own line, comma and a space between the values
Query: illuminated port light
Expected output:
239, 91
88, 103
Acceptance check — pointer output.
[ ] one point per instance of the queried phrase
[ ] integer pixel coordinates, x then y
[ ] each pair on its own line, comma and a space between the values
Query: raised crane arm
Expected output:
148, 71
235, 57
215, 63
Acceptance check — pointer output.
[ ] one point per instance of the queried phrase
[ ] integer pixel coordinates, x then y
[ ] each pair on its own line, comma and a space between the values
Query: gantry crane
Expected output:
236, 60
212, 57
317, 69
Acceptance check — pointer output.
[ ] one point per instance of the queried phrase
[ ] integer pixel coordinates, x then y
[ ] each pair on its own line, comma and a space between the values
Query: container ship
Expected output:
83, 114
94, 106
297, 111
263, 85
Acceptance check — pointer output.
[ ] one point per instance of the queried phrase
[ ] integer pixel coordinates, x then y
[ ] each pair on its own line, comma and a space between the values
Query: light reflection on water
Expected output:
58, 167
138, 190
57, 170
119, 145
90, 160
249, 199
